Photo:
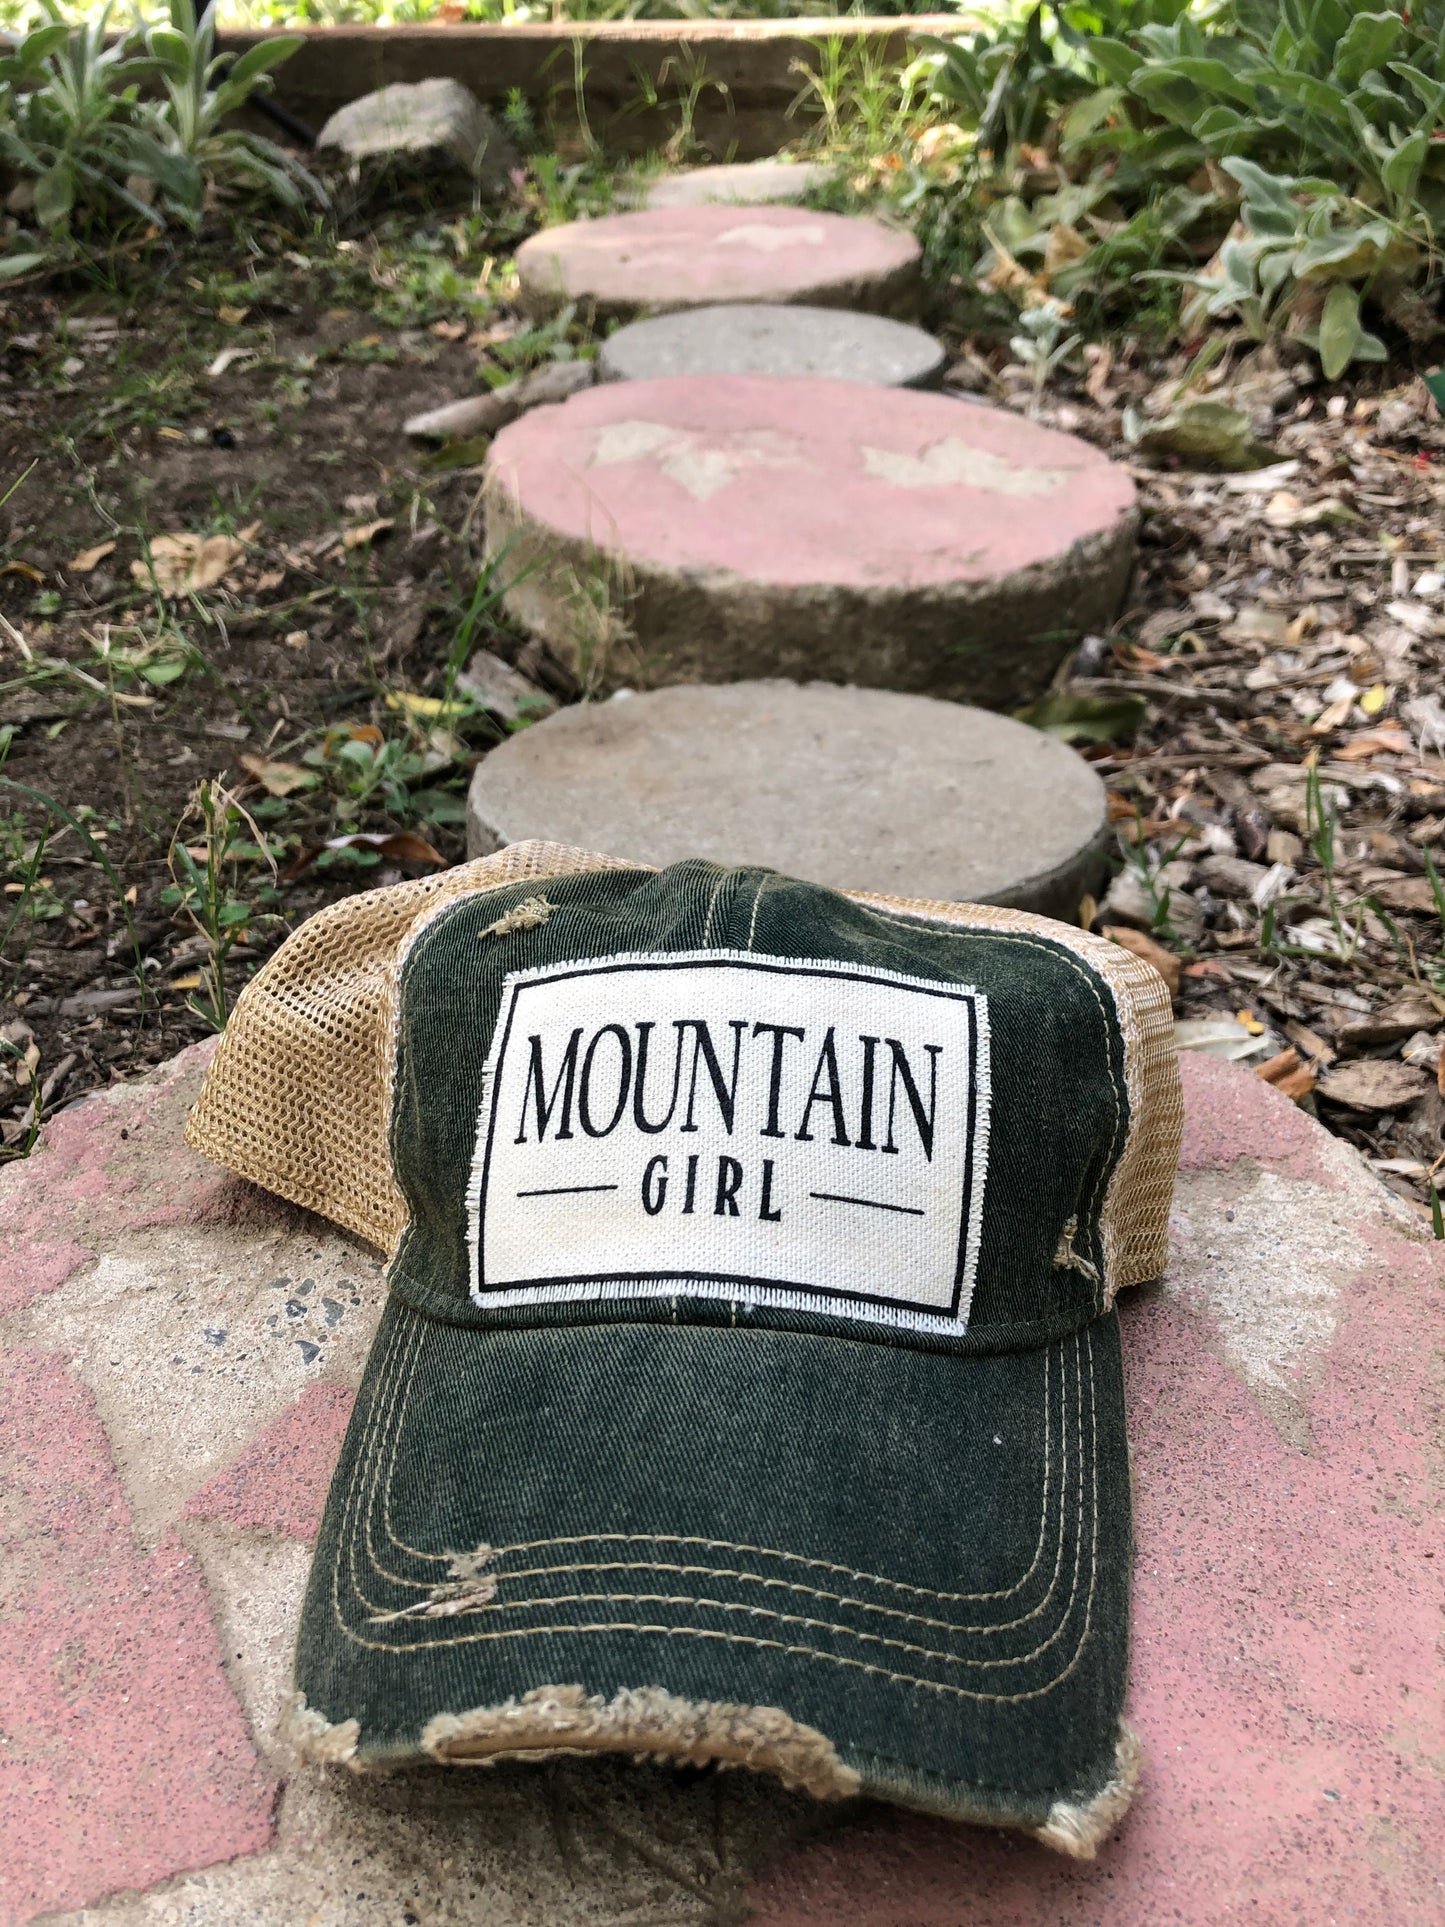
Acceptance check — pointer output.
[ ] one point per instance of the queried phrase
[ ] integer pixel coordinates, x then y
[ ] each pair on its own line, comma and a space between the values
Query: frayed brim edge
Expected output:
648, 1723
644, 1723
1079, 1827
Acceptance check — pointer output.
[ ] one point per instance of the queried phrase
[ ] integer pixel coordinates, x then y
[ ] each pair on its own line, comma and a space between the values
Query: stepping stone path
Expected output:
684, 257
857, 788
758, 339
713, 527
737, 184
178, 1356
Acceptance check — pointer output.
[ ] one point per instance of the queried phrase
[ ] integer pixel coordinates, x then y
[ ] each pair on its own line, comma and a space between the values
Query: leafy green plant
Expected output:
202, 89
108, 133
1043, 343
1121, 142
73, 129
207, 886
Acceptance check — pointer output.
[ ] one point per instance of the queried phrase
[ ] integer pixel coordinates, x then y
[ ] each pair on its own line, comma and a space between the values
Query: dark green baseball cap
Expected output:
749, 1388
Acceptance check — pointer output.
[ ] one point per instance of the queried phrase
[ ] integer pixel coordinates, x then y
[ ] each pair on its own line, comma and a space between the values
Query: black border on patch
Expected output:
779, 966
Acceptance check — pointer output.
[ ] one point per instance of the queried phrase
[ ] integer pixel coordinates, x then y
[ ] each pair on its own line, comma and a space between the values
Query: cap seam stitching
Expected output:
402, 1393
803, 1651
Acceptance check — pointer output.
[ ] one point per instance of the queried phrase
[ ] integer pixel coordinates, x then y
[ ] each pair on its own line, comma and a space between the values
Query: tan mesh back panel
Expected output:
1135, 1222
298, 1095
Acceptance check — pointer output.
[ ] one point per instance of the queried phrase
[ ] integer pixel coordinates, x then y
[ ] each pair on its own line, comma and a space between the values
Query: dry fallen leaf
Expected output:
402, 846
364, 532
1164, 961
1373, 1084
186, 564
277, 778
1289, 1075
232, 317
89, 559
424, 708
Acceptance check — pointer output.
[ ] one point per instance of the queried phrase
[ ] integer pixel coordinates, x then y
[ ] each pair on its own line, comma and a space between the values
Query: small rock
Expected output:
1231, 876
437, 119
503, 690
1129, 902
1373, 1084
485, 414
1391, 1022
1398, 416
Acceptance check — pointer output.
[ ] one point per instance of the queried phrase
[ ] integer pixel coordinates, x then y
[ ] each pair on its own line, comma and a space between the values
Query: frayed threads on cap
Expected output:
645, 1722
530, 914
1079, 1828
468, 1588
326, 1742
1067, 1259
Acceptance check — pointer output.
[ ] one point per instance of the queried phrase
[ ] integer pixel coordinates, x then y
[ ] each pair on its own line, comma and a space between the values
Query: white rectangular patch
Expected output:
723, 1125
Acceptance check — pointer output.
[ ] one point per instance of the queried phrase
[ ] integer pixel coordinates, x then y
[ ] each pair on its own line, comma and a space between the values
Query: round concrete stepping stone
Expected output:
711, 527
685, 257
754, 338
737, 184
858, 788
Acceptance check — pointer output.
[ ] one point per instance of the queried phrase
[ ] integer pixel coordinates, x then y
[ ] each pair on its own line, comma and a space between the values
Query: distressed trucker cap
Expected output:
749, 1385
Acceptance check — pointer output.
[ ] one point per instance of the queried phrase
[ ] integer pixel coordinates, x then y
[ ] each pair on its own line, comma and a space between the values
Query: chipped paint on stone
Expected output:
1266, 1260
279, 1483
95, 1174
193, 1340
773, 240
125, 1757
957, 464
630, 441
699, 464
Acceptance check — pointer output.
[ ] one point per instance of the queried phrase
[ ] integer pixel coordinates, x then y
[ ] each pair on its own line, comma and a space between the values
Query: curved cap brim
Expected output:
864, 1567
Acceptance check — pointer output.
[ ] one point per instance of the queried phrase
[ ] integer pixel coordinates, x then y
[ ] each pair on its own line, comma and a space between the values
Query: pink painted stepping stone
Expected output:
1288, 1673
718, 527
687, 257
736, 184
168, 1417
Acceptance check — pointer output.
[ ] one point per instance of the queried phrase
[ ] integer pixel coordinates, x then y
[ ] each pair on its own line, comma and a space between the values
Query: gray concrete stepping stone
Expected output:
713, 527
857, 788
737, 184
755, 338
686, 257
